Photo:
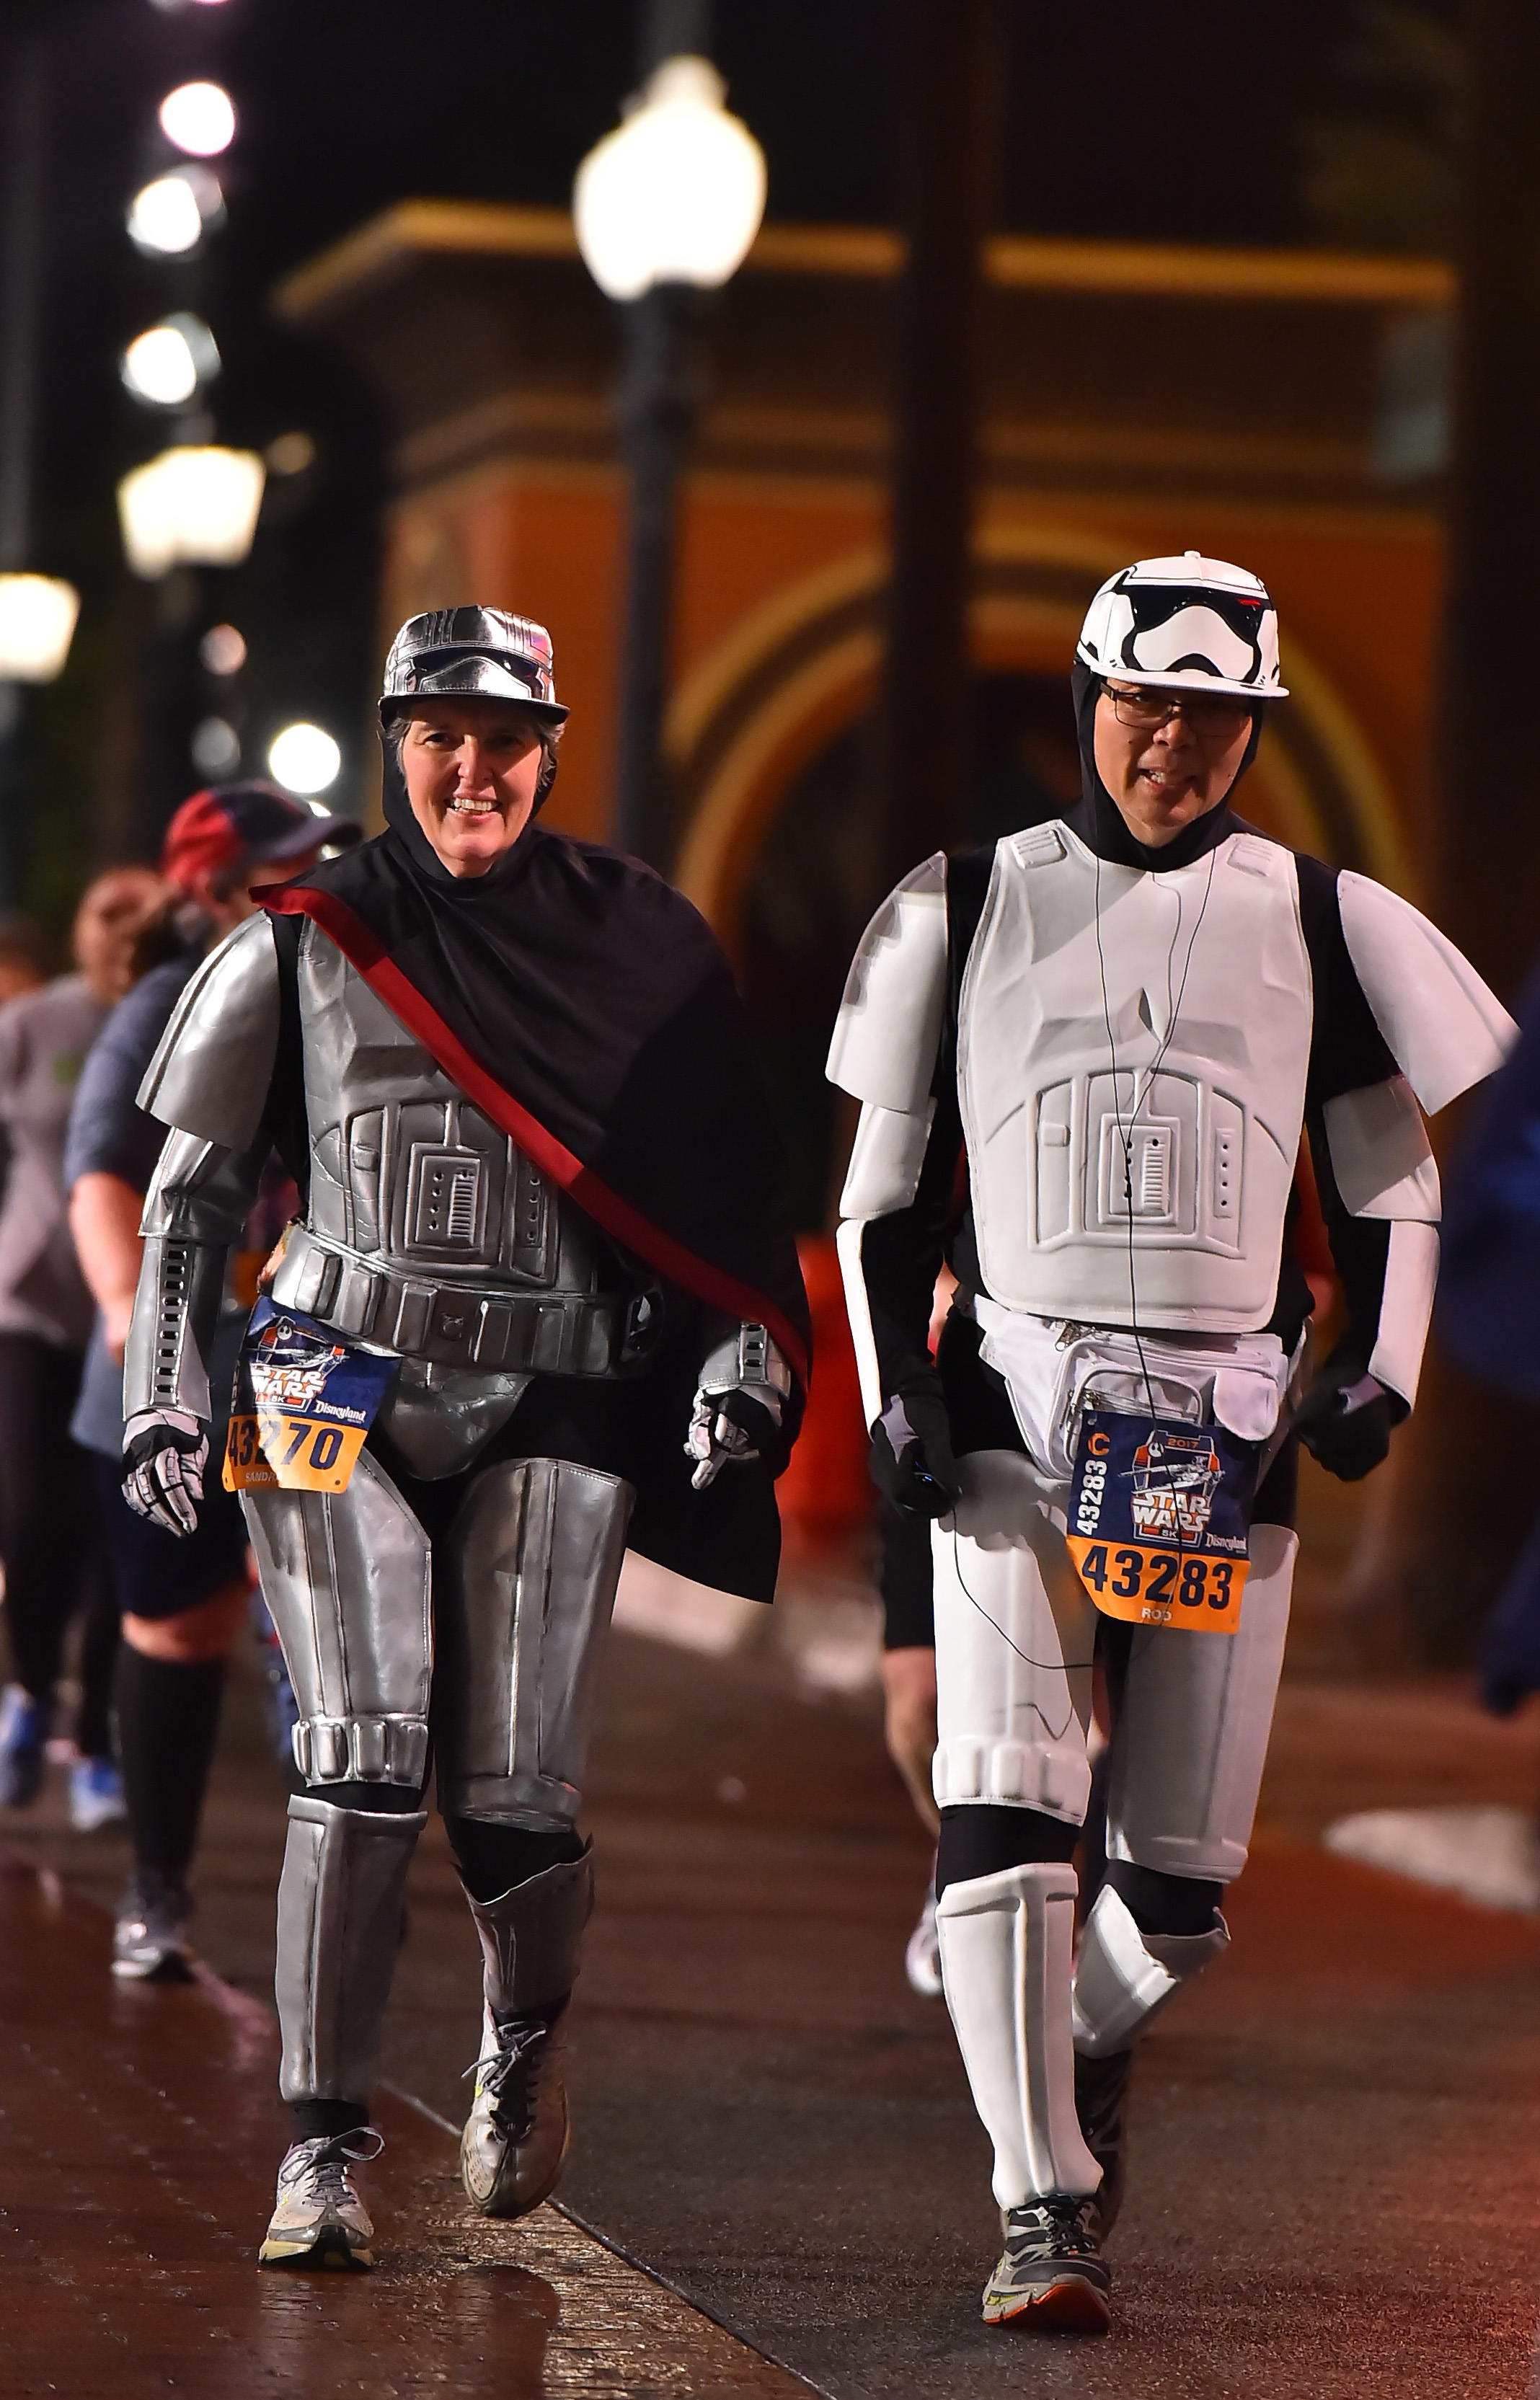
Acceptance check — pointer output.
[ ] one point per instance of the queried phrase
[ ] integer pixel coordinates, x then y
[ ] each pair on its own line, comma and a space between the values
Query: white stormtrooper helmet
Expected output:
1191, 622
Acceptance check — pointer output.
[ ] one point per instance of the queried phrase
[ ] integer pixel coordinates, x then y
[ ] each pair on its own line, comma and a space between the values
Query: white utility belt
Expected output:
1054, 1370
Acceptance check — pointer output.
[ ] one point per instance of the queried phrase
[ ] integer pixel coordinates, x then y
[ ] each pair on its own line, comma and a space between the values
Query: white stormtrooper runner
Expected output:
1124, 1019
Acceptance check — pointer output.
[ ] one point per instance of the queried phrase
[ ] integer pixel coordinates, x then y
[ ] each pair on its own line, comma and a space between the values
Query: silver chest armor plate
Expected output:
403, 1167
1132, 1055
428, 1231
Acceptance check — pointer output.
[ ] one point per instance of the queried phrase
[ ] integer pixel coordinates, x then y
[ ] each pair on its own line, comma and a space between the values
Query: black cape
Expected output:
587, 1009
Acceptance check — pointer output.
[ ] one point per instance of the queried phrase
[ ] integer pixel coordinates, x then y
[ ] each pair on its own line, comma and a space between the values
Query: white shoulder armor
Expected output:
1442, 1026
212, 1072
889, 1026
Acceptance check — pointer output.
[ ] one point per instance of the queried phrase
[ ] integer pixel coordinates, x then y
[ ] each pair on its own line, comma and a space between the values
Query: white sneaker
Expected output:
516, 2135
320, 2221
922, 1958
150, 1943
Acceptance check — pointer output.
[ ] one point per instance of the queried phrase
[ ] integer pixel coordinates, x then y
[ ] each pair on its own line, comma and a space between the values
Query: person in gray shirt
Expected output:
48, 1530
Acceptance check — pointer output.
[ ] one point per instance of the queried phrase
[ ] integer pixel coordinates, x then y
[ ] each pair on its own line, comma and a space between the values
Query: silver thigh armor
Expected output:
516, 1612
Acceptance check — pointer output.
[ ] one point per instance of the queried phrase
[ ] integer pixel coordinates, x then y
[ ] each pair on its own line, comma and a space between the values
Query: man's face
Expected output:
1163, 776
471, 768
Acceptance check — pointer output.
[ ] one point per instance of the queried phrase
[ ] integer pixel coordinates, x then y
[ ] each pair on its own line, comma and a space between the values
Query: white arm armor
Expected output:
1383, 1168
212, 1072
889, 1026
1442, 1026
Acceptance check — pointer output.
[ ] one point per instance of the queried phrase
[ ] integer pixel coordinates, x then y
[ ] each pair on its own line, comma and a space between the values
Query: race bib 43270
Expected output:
304, 1401
1159, 1518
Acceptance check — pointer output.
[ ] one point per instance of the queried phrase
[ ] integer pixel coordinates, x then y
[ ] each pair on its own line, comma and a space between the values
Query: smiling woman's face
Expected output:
1163, 776
470, 768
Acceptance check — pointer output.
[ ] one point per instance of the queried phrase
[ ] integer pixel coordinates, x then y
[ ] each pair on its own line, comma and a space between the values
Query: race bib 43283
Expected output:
1159, 1518
304, 1401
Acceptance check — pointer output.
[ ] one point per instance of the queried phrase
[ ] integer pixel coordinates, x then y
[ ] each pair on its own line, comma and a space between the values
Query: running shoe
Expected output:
1051, 2276
320, 2221
516, 2135
96, 1794
23, 1746
922, 1957
150, 1942
1101, 2105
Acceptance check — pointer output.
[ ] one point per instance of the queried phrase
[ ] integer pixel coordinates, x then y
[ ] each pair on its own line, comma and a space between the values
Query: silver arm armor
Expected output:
197, 1206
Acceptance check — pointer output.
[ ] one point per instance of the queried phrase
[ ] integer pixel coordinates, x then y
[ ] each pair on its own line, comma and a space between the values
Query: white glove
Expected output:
165, 1452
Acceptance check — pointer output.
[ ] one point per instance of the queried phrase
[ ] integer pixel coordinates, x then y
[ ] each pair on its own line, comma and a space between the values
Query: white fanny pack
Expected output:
1054, 1370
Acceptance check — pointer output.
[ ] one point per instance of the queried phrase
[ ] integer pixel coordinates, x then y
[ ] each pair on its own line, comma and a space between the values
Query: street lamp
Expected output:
37, 614
191, 507
665, 208
305, 759
199, 118
169, 217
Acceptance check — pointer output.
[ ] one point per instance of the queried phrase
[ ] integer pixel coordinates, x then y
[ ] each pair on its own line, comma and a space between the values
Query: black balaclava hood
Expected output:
1100, 823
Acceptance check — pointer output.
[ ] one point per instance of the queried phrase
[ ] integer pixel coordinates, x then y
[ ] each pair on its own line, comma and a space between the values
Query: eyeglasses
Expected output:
1212, 717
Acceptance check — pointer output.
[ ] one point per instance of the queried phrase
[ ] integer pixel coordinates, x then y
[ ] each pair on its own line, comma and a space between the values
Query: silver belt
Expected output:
501, 1333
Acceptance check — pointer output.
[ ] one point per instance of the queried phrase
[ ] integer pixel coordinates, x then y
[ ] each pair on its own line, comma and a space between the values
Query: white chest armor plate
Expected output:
1142, 1173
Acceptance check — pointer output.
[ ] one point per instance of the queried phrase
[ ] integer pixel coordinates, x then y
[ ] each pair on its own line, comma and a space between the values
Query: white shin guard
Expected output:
1006, 1948
1124, 1978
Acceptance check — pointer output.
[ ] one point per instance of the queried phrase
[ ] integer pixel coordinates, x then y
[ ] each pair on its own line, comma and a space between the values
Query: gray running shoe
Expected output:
320, 2221
516, 2135
150, 1943
1052, 2276
922, 1957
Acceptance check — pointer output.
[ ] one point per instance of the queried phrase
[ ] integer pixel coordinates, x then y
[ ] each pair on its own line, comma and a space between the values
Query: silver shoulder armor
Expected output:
889, 1025
1443, 1027
212, 1072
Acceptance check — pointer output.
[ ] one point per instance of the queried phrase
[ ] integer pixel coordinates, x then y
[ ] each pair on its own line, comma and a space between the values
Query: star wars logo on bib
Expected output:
304, 1401
1159, 1520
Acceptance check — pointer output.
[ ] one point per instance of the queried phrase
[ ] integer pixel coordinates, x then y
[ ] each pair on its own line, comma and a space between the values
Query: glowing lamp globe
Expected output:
190, 507
676, 194
305, 759
199, 118
37, 614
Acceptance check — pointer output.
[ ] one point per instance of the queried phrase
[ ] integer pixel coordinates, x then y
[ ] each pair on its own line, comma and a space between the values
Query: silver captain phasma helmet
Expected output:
471, 652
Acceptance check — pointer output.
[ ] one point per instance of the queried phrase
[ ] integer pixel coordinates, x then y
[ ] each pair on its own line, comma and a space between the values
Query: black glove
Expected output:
911, 1456
1345, 1421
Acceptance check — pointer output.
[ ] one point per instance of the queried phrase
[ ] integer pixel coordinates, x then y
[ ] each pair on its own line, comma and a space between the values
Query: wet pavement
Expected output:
1336, 2184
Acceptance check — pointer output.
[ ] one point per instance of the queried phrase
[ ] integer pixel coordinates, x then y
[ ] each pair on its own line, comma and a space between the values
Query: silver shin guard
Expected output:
1006, 1951
1124, 1978
339, 1903
531, 1938
525, 1586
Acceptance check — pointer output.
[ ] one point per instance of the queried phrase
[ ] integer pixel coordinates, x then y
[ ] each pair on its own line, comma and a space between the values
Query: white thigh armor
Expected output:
1015, 1635
1014, 1639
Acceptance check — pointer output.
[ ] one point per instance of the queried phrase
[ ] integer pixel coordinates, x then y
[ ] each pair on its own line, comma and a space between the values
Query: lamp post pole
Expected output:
659, 398
20, 280
661, 386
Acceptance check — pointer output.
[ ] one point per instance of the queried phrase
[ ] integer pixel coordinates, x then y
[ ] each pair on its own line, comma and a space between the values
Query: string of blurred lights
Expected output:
197, 502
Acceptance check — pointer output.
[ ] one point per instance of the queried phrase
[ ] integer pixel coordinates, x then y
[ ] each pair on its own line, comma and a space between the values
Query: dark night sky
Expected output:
1174, 120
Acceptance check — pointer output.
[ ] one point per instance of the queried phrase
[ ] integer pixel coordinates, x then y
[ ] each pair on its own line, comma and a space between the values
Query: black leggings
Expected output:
50, 1539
